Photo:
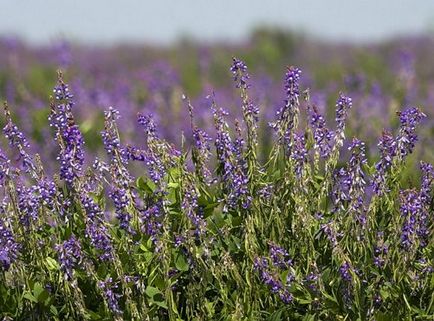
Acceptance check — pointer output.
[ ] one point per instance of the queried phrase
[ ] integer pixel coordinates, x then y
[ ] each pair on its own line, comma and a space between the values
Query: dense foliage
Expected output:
209, 231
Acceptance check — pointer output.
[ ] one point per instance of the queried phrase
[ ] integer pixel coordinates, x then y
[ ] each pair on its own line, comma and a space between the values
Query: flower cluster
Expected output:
69, 256
8, 247
322, 135
68, 135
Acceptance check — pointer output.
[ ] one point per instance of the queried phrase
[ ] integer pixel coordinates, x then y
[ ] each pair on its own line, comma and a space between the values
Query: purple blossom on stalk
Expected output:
250, 110
232, 165
279, 256
99, 237
427, 182
69, 256
17, 140
287, 116
345, 272
4, 166
109, 136
68, 135
47, 190
239, 72
192, 209
223, 143
425, 196
387, 146
409, 119
239, 191
311, 281
28, 202
321, 134
343, 104
151, 220
15, 137
355, 172
108, 288
299, 153
8, 247
121, 201
379, 255
272, 280
341, 188
160, 155
202, 153
96, 230
411, 209
330, 231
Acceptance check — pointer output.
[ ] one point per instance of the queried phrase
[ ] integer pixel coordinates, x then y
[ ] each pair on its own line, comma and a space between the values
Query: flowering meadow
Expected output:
161, 206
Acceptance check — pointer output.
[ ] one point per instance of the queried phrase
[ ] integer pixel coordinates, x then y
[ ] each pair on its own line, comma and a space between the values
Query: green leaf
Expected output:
161, 304
380, 316
40, 293
173, 185
152, 291
53, 310
30, 297
52, 264
145, 185
181, 263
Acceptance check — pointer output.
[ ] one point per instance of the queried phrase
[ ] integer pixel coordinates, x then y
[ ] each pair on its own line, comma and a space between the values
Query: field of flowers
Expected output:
177, 184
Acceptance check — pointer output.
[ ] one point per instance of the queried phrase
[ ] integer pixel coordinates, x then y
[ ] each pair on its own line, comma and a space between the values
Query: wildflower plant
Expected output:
208, 231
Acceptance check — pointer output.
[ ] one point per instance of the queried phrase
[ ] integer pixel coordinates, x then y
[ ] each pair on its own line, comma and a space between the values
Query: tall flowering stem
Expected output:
323, 137
250, 110
121, 192
17, 140
68, 135
409, 119
387, 147
343, 105
201, 150
287, 116
232, 165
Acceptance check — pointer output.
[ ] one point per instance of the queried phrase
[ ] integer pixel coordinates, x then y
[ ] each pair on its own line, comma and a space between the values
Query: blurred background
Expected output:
142, 56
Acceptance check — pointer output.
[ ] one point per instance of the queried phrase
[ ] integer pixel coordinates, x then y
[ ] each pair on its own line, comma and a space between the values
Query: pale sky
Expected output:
163, 21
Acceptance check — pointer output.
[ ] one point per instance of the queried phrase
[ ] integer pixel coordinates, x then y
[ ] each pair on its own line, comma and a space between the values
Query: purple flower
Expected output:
69, 256
8, 247
411, 209
17, 140
28, 202
343, 104
355, 172
341, 188
122, 201
96, 230
192, 209
322, 135
68, 135
4, 167
409, 119
287, 116
240, 74
299, 153
427, 182
159, 156
345, 272
272, 279
387, 146
279, 256
151, 220
202, 153
108, 288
